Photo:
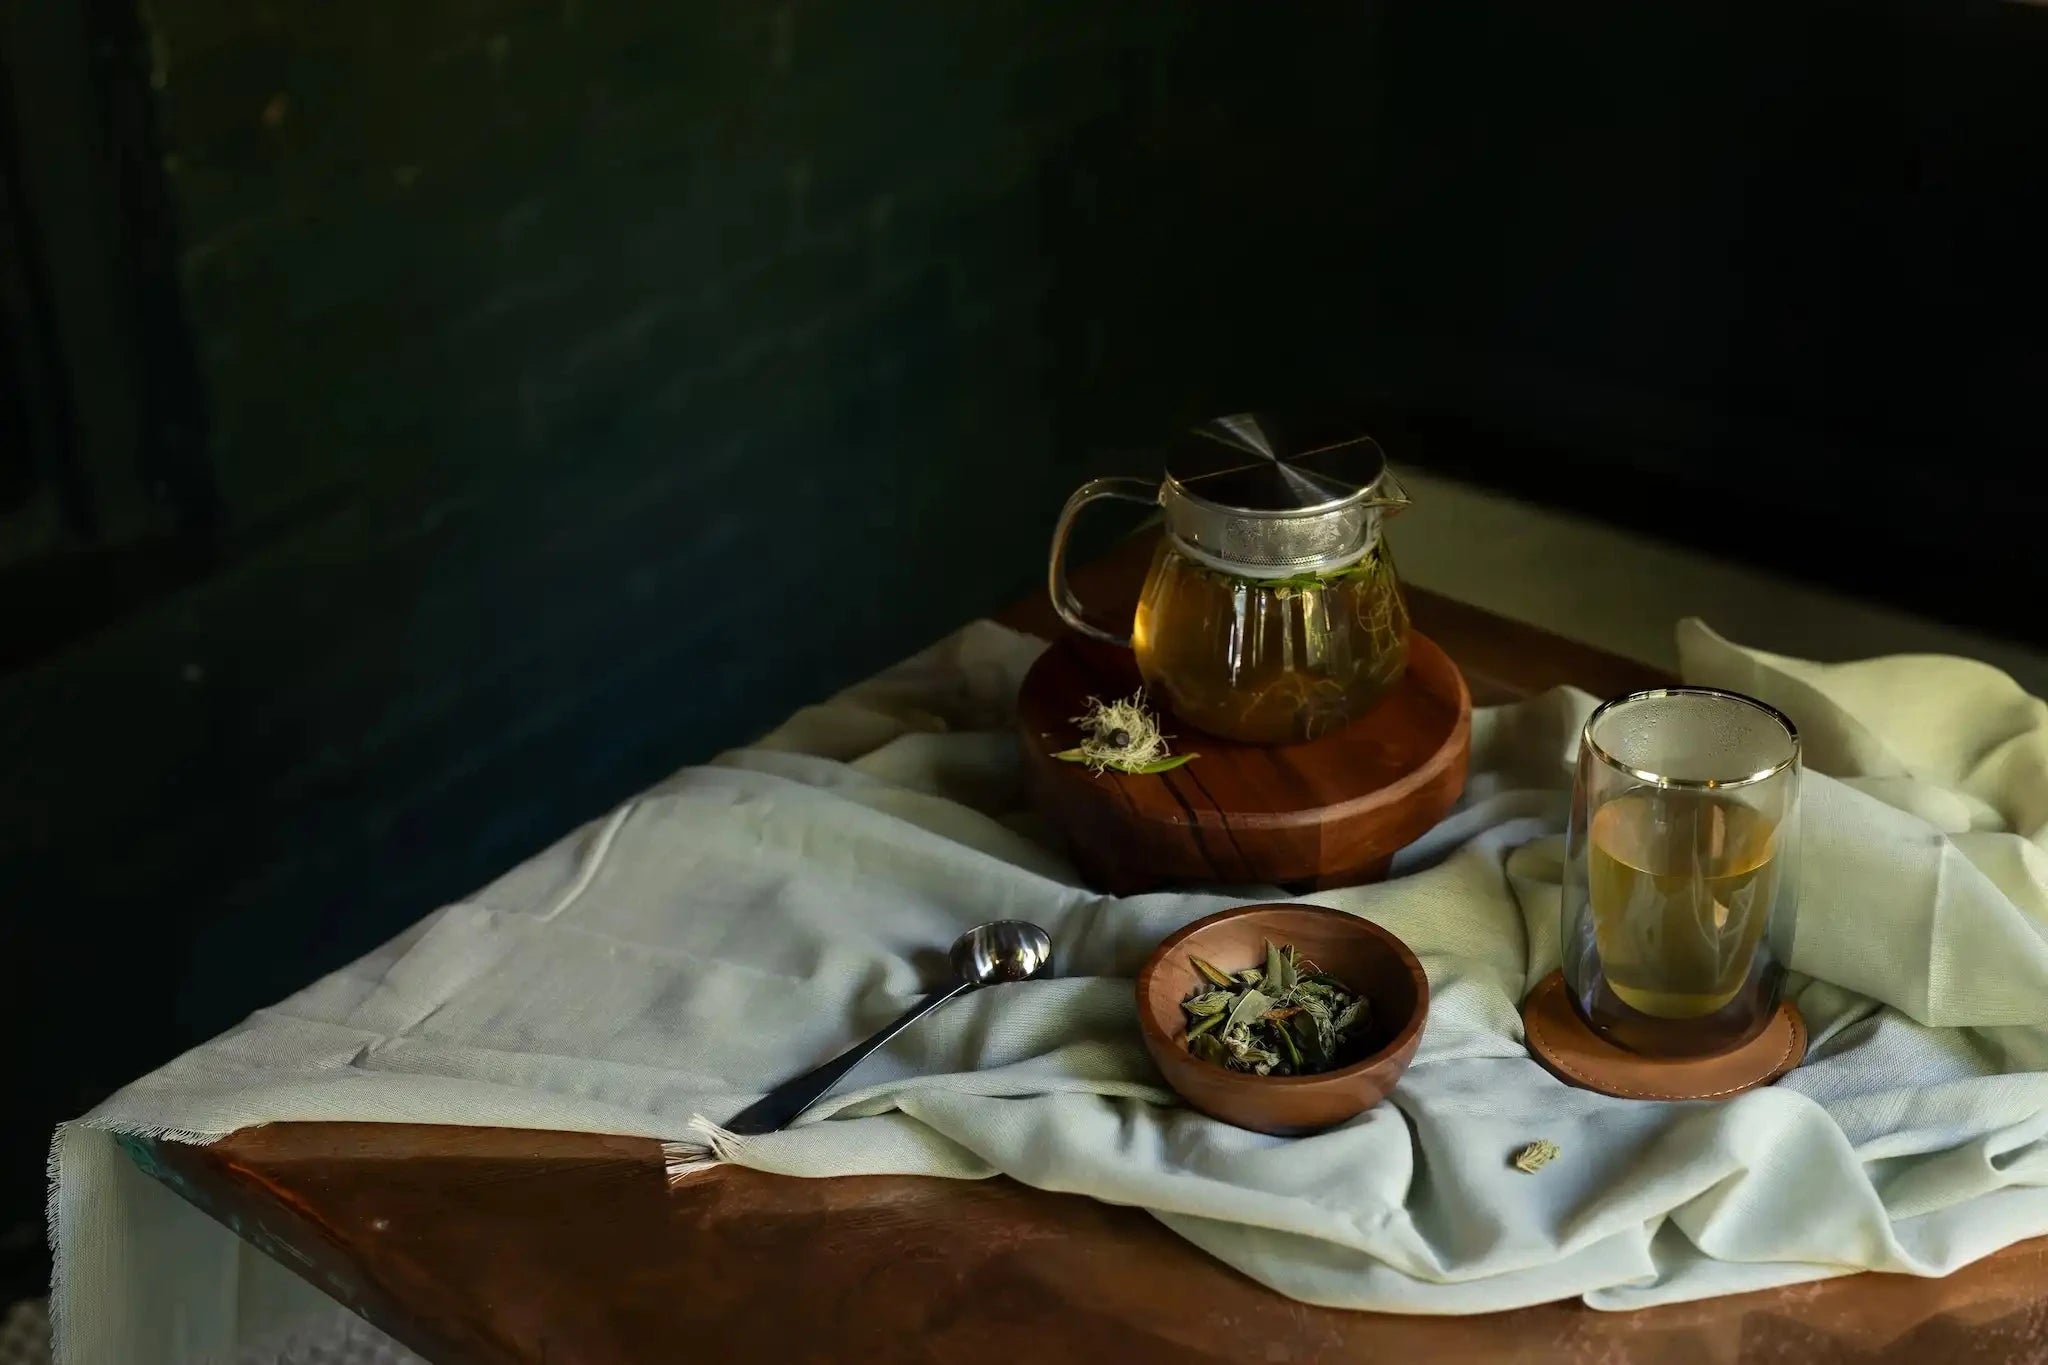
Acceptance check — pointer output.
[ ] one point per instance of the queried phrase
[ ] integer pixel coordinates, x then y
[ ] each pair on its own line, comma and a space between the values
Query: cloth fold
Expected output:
746, 919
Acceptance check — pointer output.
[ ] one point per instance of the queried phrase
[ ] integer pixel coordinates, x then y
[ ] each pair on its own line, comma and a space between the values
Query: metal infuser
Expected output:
1254, 496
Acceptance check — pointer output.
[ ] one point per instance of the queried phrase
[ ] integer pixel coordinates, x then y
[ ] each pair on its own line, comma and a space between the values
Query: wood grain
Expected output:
502, 1247
496, 1247
1329, 812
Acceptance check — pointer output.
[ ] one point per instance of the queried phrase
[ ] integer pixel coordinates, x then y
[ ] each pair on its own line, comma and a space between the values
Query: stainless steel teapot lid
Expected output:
1265, 497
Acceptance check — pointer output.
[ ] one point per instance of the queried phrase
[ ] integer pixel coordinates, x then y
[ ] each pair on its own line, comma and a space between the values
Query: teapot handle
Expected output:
1063, 599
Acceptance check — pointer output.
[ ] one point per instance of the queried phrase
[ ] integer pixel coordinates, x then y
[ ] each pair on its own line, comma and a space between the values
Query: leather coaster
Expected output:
1575, 1054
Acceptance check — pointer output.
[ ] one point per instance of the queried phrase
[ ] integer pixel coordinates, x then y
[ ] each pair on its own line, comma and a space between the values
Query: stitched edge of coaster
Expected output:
1794, 1048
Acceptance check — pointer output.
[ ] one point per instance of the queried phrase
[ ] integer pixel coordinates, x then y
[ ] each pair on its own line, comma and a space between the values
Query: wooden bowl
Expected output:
1329, 812
1356, 951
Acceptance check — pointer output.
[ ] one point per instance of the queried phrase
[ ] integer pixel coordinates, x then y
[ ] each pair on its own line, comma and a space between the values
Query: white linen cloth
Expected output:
746, 919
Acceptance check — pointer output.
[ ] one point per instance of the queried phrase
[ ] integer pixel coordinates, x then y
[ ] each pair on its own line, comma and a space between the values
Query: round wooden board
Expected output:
1330, 812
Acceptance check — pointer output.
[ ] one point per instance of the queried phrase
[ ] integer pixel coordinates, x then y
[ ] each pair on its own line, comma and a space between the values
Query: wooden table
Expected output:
493, 1246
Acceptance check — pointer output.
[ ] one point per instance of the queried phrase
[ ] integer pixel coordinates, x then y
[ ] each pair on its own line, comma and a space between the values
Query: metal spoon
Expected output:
1004, 950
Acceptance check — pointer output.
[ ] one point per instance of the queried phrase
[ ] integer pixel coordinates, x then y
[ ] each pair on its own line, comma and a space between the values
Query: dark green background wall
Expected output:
581, 387
468, 411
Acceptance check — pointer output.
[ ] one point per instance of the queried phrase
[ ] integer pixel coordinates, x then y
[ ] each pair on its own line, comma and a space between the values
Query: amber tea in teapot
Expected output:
1270, 662
1272, 613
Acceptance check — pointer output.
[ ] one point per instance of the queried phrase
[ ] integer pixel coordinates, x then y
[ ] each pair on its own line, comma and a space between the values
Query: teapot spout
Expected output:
1389, 495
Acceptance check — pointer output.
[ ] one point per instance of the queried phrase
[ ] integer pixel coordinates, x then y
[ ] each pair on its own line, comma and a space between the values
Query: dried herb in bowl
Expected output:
1282, 1019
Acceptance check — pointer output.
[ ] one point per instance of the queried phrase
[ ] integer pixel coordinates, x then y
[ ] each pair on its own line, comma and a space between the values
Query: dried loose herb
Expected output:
1284, 1018
1122, 735
1536, 1156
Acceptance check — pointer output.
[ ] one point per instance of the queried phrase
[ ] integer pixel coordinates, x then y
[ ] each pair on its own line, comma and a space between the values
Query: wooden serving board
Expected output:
1329, 812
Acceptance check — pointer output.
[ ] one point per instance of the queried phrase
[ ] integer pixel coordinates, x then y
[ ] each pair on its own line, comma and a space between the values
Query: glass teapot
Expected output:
1271, 613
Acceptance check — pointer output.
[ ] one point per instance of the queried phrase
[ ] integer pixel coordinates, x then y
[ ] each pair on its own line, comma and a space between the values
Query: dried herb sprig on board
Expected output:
1283, 1019
1124, 736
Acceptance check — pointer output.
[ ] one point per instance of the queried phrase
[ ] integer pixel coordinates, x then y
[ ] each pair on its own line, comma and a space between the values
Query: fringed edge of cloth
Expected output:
713, 1146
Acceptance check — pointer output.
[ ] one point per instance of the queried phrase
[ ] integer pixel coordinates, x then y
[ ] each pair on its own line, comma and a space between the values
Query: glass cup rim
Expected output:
1665, 780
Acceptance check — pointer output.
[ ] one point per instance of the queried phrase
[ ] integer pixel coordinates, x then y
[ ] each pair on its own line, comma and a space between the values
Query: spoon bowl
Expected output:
1002, 950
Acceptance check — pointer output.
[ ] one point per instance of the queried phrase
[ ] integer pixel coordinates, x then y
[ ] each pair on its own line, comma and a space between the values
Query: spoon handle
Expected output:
779, 1107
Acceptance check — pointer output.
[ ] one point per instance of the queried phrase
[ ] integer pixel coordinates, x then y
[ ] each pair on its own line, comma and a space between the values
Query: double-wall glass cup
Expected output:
1681, 870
